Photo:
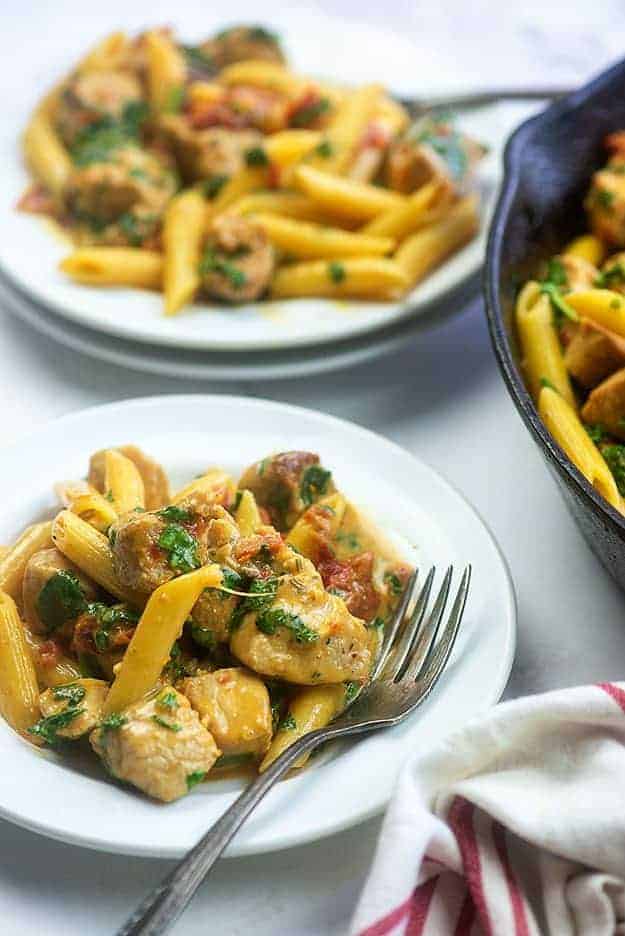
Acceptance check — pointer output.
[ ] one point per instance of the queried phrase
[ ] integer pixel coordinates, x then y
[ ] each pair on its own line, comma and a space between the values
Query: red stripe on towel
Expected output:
461, 822
466, 919
615, 692
419, 909
516, 897
388, 922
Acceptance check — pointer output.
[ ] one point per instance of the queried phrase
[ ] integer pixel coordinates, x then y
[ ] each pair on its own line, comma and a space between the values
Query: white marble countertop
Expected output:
441, 397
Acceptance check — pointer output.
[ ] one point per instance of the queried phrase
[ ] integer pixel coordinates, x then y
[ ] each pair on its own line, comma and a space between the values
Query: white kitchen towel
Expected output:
514, 826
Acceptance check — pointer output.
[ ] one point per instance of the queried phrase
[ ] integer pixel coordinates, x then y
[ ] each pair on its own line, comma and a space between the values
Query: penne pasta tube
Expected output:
19, 692
246, 181
247, 514
306, 535
345, 197
541, 354
263, 74
359, 277
393, 114
214, 486
13, 563
347, 127
286, 204
51, 669
94, 509
564, 425
115, 266
428, 204
45, 154
588, 247
306, 240
426, 249
159, 627
603, 306
289, 146
310, 709
122, 482
183, 230
107, 54
166, 72
91, 552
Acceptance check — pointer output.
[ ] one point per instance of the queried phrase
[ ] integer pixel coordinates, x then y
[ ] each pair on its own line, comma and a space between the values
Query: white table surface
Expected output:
441, 397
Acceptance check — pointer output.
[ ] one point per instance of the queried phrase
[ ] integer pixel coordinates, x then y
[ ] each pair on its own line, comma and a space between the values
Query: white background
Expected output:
441, 397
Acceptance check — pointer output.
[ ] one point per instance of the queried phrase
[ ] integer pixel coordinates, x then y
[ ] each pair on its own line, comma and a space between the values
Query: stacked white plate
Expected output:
260, 340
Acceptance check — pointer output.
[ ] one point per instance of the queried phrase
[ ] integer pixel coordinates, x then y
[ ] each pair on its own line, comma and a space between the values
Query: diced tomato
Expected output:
250, 546
353, 578
273, 176
49, 652
376, 136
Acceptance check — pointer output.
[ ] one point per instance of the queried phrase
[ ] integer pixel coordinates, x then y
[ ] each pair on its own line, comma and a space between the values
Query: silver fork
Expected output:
409, 665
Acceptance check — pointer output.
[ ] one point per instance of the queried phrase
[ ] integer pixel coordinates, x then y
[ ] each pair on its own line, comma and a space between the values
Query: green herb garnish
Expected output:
336, 272
71, 693
351, 691
604, 199
211, 263
204, 636
181, 546
394, 583
314, 484
171, 726
113, 722
376, 624
212, 186
194, 778
545, 382
256, 156
47, 728
197, 59
310, 112
560, 306
173, 514
288, 723
175, 99
270, 620
324, 149
168, 699
108, 618
613, 276
60, 600
615, 458
596, 433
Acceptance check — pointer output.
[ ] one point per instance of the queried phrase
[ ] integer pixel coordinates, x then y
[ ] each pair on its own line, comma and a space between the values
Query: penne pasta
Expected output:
183, 230
159, 627
91, 552
588, 247
358, 277
289, 146
14, 561
307, 240
122, 482
286, 204
166, 73
45, 155
115, 266
262, 74
310, 709
53, 669
244, 182
94, 509
564, 425
19, 692
603, 306
428, 204
345, 197
426, 249
247, 514
305, 535
347, 127
108, 54
541, 355
214, 486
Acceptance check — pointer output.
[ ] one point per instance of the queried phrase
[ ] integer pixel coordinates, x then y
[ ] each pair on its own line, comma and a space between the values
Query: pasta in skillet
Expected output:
571, 328
215, 171
181, 634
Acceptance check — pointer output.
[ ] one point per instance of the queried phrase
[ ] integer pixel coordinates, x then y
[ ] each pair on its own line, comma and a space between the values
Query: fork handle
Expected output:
163, 906
474, 99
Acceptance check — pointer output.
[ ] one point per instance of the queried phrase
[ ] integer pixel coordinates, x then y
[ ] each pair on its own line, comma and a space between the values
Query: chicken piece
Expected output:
234, 705
211, 617
353, 580
54, 592
119, 198
238, 260
155, 481
84, 697
593, 353
92, 97
240, 43
605, 204
606, 405
206, 153
580, 274
612, 275
102, 634
286, 484
159, 745
428, 150
301, 633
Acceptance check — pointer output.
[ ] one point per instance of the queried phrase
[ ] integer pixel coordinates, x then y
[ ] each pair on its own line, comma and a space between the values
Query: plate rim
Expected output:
375, 808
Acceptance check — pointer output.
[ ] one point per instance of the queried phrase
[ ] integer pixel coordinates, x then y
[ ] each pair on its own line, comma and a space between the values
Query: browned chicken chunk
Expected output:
213, 153
54, 592
238, 260
286, 484
90, 97
429, 150
81, 702
234, 705
593, 353
160, 746
240, 43
605, 406
605, 204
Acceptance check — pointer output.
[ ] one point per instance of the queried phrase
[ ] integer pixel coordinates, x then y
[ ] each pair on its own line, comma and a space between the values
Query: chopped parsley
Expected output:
545, 382
109, 497
556, 273
204, 636
194, 778
168, 699
376, 624
314, 483
613, 276
261, 34
560, 306
308, 113
351, 691
60, 600
324, 149
108, 618
197, 59
231, 579
256, 156
394, 583
175, 99
349, 540
229, 761
212, 263
47, 728
270, 620
260, 595
173, 514
288, 723
171, 726
113, 722
604, 199
181, 546
596, 433
135, 229
98, 141
336, 272
615, 458
212, 186
71, 693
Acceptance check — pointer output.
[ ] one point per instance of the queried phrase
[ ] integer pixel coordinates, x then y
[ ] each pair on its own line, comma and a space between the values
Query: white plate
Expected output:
137, 315
349, 783
230, 366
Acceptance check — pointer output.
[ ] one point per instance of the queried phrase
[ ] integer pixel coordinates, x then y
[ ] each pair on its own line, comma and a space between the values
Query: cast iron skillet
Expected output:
548, 163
